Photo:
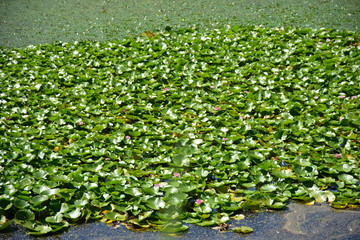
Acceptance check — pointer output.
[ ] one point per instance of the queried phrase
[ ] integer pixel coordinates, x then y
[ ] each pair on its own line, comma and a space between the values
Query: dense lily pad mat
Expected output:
179, 126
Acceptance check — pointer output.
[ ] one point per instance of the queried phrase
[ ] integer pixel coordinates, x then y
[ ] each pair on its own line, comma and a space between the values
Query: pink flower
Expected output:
157, 185
341, 118
80, 123
328, 40
199, 201
225, 139
319, 42
176, 174
353, 97
107, 159
166, 89
316, 97
124, 110
275, 158
300, 153
337, 155
212, 87
217, 108
128, 137
246, 91
341, 96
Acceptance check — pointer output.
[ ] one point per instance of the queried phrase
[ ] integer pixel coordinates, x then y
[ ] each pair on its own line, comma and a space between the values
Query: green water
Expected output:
25, 22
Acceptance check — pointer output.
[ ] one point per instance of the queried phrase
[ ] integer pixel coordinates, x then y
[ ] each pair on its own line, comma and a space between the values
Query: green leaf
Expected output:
156, 203
285, 173
133, 191
37, 200
206, 223
76, 213
174, 227
19, 203
24, 215
181, 160
239, 217
347, 178
116, 216
54, 219
40, 230
242, 229
268, 188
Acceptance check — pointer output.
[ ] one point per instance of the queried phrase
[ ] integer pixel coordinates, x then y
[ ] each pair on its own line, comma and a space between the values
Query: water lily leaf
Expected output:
23, 215
99, 204
54, 219
189, 187
238, 217
133, 191
76, 213
116, 216
347, 178
50, 192
204, 208
38, 199
321, 196
181, 160
222, 218
176, 198
284, 173
145, 215
192, 220
174, 227
278, 205
206, 223
64, 208
40, 230
156, 203
201, 172
19, 203
242, 229
268, 188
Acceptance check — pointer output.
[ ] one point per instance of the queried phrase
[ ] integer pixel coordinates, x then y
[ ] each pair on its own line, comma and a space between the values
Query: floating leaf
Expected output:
239, 217
116, 216
242, 229
24, 215
76, 213
174, 227
156, 203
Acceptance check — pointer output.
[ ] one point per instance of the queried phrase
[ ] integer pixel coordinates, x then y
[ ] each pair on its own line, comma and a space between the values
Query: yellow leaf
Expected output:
56, 149
148, 34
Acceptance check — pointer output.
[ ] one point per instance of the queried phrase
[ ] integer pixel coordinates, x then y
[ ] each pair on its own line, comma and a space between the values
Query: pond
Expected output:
24, 22
298, 221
